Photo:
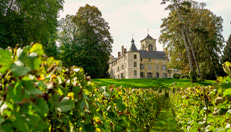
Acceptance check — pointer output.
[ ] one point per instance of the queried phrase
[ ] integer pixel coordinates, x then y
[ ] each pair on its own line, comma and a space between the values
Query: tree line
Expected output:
192, 36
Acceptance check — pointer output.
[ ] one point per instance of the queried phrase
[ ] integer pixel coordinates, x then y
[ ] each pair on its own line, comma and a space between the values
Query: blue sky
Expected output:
127, 17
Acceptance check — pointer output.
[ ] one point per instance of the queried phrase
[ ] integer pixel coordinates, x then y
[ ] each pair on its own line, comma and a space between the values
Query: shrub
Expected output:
184, 76
193, 76
176, 75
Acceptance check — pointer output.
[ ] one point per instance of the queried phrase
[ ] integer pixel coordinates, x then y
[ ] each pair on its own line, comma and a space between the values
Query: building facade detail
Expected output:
144, 63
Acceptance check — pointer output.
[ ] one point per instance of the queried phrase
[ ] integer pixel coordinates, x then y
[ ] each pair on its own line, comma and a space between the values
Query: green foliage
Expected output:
176, 75
205, 34
86, 41
184, 76
193, 76
227, 51
38, 94
204, 108
23, 22
227, 67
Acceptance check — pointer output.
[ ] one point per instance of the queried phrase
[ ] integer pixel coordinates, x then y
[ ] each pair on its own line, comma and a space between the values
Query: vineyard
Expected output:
204, 108
38, 94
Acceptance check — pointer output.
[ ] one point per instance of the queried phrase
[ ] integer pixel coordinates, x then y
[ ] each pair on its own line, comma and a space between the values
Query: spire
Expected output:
133, 46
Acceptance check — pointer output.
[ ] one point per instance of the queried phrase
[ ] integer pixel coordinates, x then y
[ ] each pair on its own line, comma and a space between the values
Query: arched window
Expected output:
150, 47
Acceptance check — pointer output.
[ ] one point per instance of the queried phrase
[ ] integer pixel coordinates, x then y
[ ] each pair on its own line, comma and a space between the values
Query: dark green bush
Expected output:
184, 76
176, 75
193, 76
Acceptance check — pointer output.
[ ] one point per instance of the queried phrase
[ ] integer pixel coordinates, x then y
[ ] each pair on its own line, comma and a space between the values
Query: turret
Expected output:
133, 61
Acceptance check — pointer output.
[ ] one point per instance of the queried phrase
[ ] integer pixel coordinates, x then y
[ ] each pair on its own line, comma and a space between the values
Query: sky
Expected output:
140, 17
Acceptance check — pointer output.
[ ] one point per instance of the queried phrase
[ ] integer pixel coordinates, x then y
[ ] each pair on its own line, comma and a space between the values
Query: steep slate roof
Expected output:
152, 54
147, 37
133, 47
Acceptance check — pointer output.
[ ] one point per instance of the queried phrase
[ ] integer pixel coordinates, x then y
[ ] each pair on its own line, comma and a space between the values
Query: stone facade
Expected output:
144, 63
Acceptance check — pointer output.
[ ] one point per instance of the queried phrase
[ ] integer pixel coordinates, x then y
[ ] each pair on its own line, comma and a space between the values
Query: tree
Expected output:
86, 41
95, 39
193, 26
67, 39
29, 21
181, 9
227, 51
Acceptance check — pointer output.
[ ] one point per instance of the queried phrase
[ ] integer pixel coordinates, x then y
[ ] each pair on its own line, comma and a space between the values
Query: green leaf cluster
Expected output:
23, 22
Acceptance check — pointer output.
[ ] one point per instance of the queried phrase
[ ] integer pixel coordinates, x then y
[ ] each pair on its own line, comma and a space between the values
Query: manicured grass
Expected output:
150, 83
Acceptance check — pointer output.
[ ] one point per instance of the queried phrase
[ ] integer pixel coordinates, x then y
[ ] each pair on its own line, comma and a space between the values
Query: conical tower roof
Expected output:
133, 46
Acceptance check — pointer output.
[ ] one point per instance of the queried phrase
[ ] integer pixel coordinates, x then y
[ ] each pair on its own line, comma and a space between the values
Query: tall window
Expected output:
135, 64
141, 66
135, 56
157, 75
141, 59
149, 60
135, 72
164, 68
149, 66
157, 67
122, 67
150, 47
122, 75
142, 75
118, 69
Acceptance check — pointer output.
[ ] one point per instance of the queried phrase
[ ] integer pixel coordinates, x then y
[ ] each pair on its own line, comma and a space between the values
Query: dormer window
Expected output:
150, 47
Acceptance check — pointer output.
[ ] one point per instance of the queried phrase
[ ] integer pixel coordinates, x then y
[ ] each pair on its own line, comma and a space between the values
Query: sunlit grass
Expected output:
150, 83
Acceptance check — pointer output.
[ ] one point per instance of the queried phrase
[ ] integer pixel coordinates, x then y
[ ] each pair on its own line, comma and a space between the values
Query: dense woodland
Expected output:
45, 64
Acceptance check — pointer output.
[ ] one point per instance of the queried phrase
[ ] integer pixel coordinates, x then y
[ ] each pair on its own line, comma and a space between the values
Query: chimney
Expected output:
122, 50
119, 54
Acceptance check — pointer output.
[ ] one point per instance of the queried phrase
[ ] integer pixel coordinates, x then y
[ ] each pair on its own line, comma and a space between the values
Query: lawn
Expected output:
150, 83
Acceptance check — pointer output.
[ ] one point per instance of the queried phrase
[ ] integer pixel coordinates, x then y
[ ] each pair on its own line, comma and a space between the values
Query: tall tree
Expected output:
196, 27
67, 39
26, 21
86, 39
227, 51
181, 9
95, 39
